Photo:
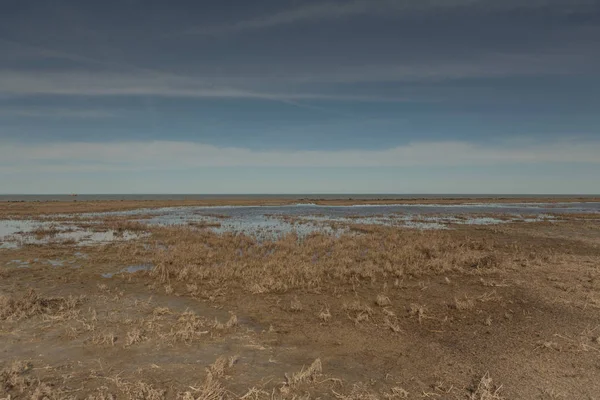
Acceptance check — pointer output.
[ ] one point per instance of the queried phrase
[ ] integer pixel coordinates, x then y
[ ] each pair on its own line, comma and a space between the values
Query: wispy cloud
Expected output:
486, 65
55, 112
287, 85
108, 84
169, 155
328, 10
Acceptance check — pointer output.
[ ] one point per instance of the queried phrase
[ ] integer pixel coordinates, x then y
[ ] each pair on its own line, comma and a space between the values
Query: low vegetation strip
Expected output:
320, 261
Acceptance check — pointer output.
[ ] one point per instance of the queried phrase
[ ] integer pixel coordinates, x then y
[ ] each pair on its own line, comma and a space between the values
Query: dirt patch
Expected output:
482, 312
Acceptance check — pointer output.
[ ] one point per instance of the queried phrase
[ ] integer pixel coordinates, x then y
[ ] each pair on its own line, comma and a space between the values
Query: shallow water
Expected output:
267, 222
16, 233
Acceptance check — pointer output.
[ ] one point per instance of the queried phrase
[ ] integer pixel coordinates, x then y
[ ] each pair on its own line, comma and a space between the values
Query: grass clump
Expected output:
296, 305
486, 390
187, 328
13, 376
316, 262
32, 304
305, 375
464, 303
417, 310
134, 336
325, 314
232, 322
382, 300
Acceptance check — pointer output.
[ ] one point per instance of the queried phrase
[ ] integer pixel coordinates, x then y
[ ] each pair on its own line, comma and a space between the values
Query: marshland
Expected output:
288, 299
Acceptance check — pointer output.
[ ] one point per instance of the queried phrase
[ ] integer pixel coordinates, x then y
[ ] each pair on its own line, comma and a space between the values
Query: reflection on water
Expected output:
16, 233
267, 222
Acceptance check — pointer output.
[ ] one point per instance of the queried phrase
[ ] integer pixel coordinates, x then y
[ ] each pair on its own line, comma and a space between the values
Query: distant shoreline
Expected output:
290, 197
11, 206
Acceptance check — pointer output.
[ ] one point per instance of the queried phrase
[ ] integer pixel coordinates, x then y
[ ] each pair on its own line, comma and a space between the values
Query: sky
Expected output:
300, 96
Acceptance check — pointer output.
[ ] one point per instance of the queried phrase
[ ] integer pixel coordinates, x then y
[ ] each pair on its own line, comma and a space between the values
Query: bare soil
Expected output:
478, 312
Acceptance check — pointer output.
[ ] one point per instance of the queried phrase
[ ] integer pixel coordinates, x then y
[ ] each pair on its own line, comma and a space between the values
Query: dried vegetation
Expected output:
14, 308
319, 261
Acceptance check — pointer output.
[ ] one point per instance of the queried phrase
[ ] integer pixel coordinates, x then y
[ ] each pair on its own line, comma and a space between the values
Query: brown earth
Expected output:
32, 208
488, 312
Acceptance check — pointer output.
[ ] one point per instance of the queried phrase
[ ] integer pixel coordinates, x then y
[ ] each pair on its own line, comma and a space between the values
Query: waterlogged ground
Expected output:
420, 301
267, 222
17, 233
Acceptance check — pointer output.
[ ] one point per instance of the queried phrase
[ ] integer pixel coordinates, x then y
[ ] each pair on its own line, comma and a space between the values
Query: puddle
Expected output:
129, 270
16, 233
268, 222
20, 263
271, 222
255, 224
55, 263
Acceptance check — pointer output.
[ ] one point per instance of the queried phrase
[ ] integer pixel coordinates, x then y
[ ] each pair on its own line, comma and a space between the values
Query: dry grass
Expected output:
325, 314
486, 390
397, 393
204, 224
463, 304
382, 300
138, 390
16, 380
306, 375
232, 322
212, 388
136, 335
47, 231
31, 304
369, 277
104, 339
187, 328
319, 261
13, 377
359, 391
358, 312
296, 305
419, 311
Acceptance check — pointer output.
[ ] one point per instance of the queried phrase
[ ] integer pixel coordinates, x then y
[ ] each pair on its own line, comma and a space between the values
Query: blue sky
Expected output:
290, 96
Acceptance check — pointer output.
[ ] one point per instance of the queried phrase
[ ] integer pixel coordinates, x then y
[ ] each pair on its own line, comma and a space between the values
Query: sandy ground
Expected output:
486, 312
